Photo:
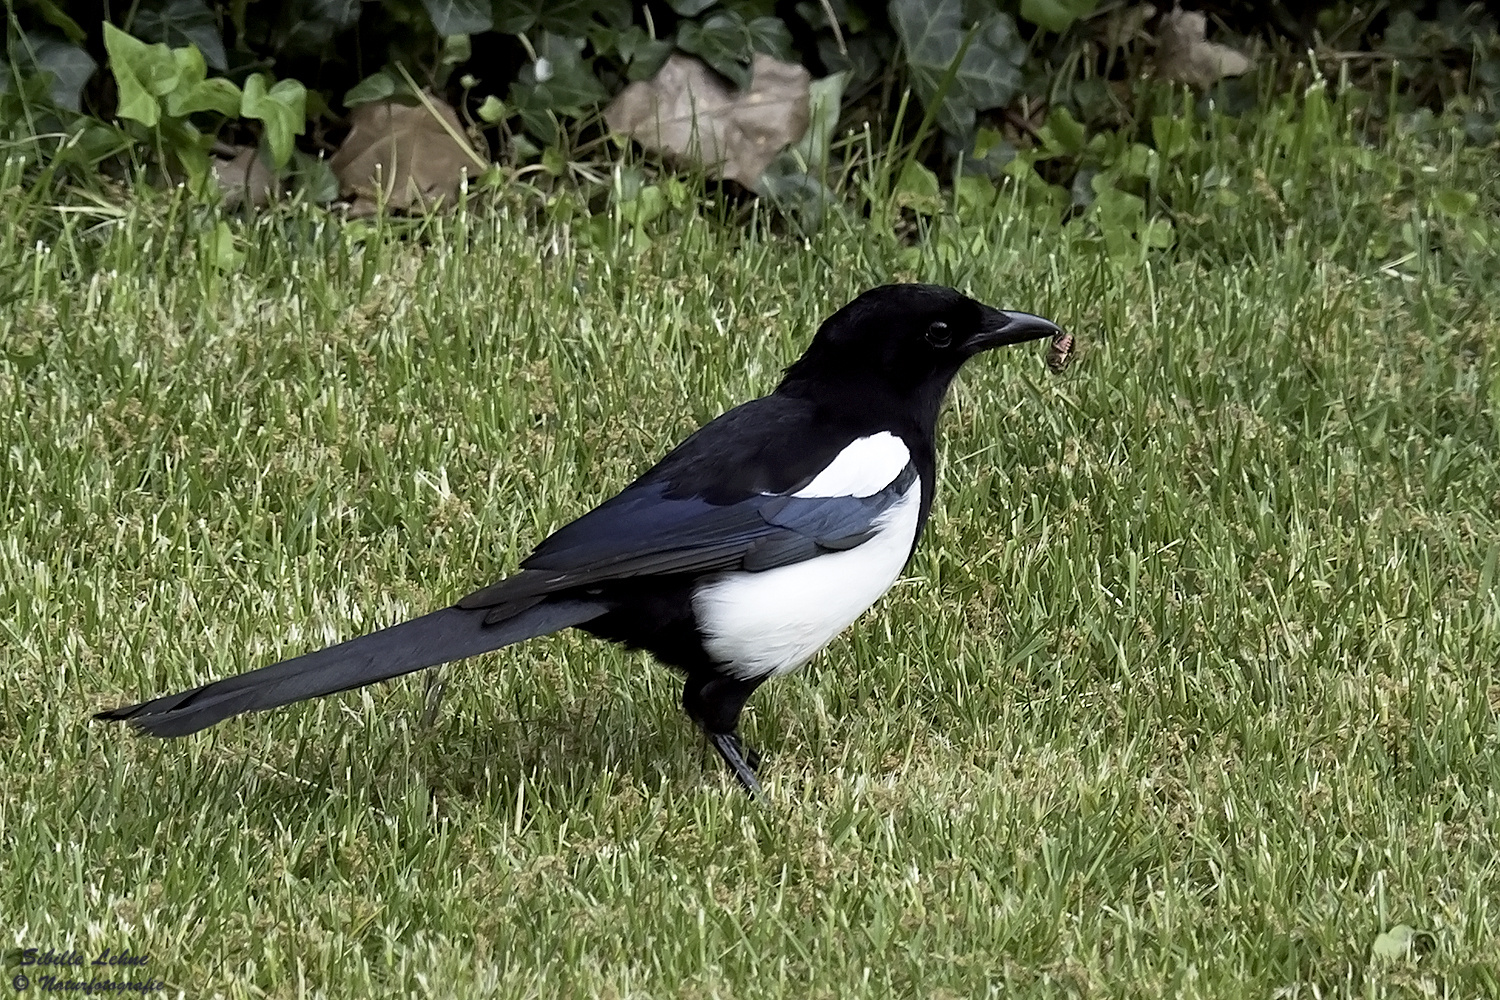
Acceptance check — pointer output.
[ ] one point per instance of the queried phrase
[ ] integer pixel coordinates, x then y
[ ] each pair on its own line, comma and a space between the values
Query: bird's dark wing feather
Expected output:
775, 444
645, 531
719, 500
449, 634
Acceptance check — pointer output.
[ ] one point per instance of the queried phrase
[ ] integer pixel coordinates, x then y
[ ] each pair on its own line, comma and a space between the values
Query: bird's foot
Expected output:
742, 760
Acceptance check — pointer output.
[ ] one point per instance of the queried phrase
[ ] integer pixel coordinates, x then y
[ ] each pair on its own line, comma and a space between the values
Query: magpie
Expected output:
734, 559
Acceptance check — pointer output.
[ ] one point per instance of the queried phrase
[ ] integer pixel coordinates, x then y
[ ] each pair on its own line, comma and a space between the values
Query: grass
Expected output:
1189, 691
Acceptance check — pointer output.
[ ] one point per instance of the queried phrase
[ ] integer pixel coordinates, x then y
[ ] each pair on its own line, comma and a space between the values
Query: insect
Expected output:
1060, 353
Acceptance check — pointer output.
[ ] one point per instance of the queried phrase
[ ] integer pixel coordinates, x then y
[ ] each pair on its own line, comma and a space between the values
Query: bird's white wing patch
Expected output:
866, 466
764, 624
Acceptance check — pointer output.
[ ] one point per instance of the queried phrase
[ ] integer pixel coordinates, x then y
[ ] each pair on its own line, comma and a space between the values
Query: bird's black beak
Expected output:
999, 328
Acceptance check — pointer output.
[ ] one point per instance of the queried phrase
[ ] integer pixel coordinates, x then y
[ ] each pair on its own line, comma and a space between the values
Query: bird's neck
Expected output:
871, 404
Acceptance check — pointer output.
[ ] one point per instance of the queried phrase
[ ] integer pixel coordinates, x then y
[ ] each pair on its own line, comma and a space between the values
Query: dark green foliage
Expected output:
459, 17
308, 27
727, 42
540, 71
1462, 38
988, 53
1056, 15
559, 82
182, 22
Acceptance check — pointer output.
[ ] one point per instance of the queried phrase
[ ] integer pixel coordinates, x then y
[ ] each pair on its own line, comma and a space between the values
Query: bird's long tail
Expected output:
449, 634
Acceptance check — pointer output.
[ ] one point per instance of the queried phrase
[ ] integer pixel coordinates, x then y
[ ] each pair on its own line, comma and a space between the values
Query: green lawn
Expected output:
1190, 689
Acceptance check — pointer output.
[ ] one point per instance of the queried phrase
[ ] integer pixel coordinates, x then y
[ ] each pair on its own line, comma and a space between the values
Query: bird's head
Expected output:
908, 339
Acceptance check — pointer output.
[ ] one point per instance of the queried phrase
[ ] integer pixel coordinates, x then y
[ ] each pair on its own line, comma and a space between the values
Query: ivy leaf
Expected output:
221, 251
153, 67
723, 42
456, 49
561, 78
617, 14
142, 74
459, 17
974, 194
68, 65
179, 23
864, 56
313, 25
493, 110
1062, 135
1174, 136
824, 100
988, 154
191, 68
194, 93
643, 54
801, 197
216, 94
565, 17
314, 178
515, 17
691, 8
771, 36
852, 20
1139, 162
189, 148
375, 87
282, 109
933, 33
560, 81
917, 189
1056, 15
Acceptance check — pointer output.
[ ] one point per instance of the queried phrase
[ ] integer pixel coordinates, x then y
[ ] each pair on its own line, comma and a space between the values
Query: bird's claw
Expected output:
735, 754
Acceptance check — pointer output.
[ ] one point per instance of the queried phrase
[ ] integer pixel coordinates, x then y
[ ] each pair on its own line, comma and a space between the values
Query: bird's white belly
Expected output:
767, 623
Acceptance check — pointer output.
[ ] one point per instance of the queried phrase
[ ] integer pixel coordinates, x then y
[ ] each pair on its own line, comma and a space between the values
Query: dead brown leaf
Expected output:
402, 155
1184, 54
244, 177
689, 112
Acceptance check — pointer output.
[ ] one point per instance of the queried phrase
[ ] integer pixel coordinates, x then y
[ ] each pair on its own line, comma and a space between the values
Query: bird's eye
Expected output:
938, 335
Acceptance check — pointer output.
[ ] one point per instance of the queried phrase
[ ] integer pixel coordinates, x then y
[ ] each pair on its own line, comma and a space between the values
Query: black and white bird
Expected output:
734, 559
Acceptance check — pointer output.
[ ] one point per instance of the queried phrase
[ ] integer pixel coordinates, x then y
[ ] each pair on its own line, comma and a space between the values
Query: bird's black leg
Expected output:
730, 748
715, 703
752, 756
